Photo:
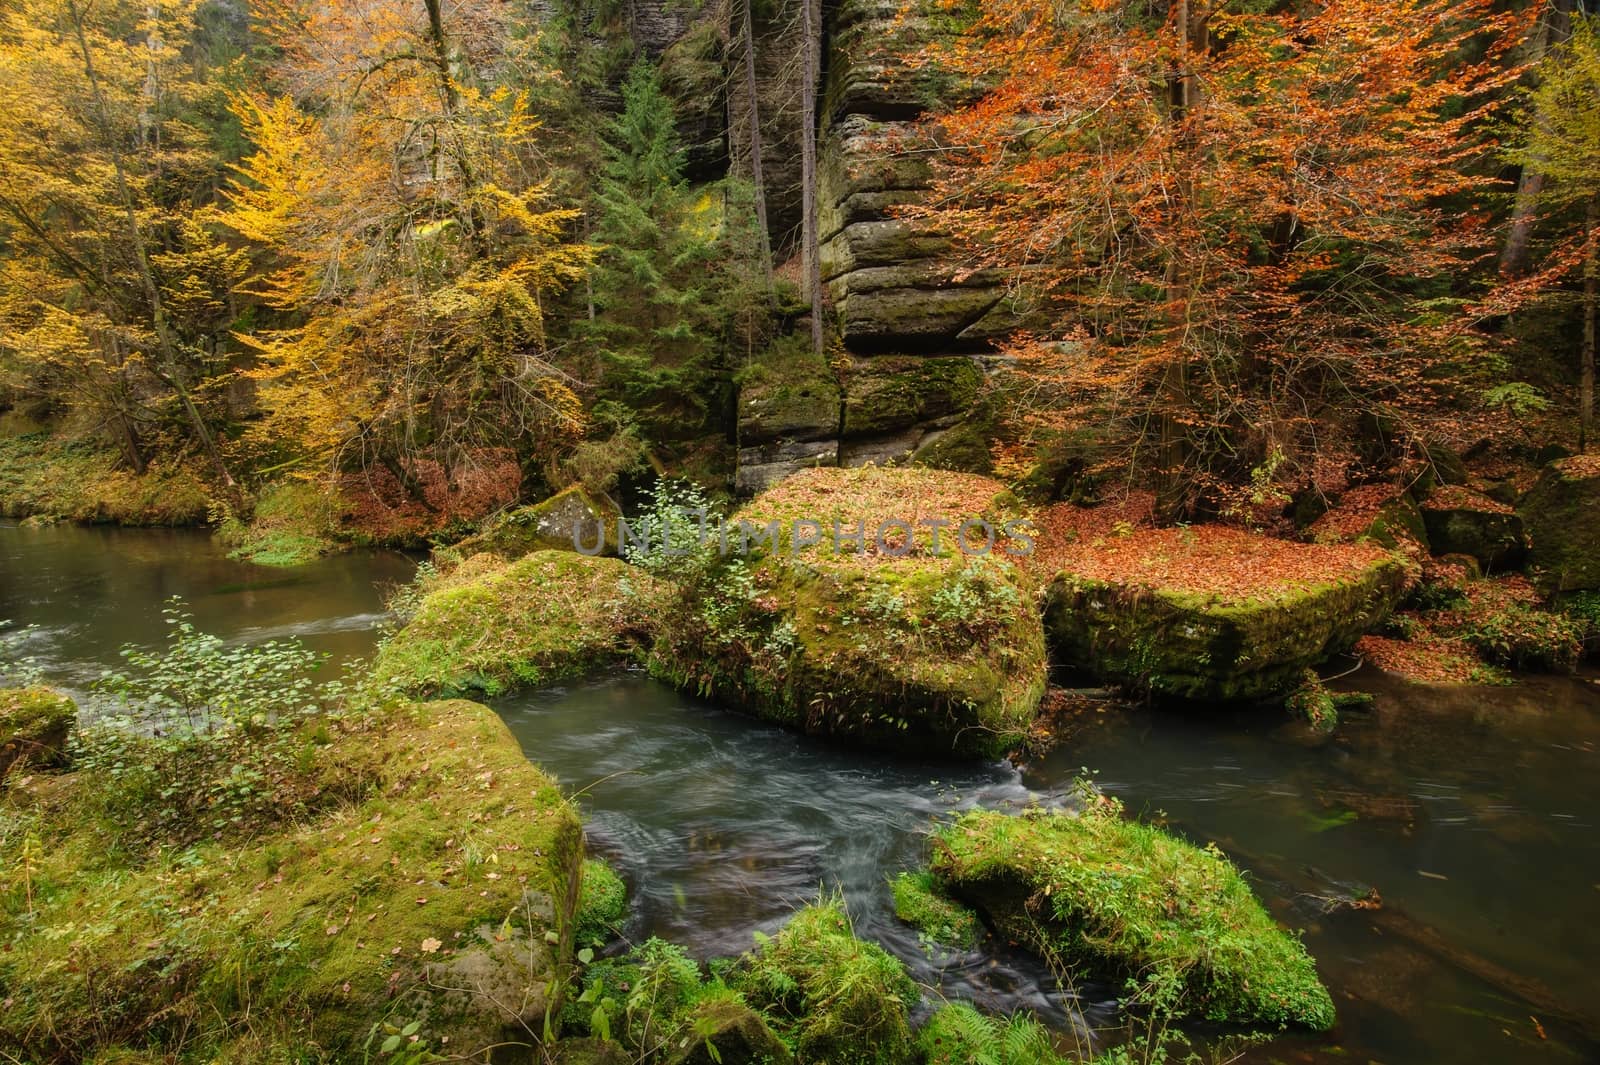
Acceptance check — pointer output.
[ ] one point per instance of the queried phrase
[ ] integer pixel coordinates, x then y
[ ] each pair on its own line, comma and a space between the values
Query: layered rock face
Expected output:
914, 330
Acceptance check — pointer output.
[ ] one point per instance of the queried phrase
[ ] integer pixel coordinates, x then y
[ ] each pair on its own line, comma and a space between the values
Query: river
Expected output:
1471, 811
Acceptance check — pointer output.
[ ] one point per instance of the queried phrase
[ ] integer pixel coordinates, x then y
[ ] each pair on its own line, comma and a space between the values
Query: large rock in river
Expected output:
890, 641
1210, 612
1126, 899
490, 626
1562, 512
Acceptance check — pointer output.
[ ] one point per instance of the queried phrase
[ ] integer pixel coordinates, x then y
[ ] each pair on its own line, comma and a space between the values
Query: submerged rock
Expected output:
939, 919
496, 626
1126, 899
890, 645
1562, 512
1463, 522
34, 726
1211, 612
728, 1032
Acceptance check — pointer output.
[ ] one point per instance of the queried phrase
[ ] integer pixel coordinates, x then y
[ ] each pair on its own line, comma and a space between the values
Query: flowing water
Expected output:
1472, 812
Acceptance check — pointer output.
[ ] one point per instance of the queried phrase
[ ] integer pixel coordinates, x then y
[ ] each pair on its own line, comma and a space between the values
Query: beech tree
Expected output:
1245, 225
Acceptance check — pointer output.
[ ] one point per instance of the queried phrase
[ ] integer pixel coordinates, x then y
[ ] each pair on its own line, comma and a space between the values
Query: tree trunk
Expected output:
753, 117
811, 24
1174, 387
1554, 25
1591, 310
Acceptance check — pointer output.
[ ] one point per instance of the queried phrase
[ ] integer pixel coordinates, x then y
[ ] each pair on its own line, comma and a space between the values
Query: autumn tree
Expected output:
115, 302
397, 202
1245, 225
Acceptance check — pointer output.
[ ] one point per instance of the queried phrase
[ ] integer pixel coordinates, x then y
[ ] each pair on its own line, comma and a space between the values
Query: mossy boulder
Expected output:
293, 523
602, 905
789, 393
941, 920
966, 447
886, 393
426, 895
1382, 513
570, 520
548, 615
835, 998
34, 726
1461, 521
1210, 612
905, 648
1098, 892
1562, 512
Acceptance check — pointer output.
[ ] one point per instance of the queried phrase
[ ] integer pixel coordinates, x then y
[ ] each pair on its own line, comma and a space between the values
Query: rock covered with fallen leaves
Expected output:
902, 644
1206, 612
1461, 521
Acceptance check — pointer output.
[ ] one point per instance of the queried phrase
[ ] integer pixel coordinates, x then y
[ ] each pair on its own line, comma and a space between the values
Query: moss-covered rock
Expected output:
886, 393
836, 998
444, 869
941, 920
34, 726
789, 393
1120, 898
293, 523
966, 447
934, 651
1562, 512
602, 905
1210, 612
548, 615
1384, 514
570, 520
1461, 521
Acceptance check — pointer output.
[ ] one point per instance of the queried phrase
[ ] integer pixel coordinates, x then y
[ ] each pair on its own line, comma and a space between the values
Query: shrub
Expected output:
957, 1034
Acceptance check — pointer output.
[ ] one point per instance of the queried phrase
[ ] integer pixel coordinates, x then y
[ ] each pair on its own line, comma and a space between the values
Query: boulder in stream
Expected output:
490, 626
1120, 898
1209, 612
570, 520
889, 640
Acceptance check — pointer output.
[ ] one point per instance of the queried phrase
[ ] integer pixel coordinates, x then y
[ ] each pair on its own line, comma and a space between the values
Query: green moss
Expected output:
886, 393
940, 919
835, 998
728, 1032
294, 523
957, 1034
602, 905
48, 477
1562, 512
788, 392
965, 447
548, 615
1313, 703
1201, 647
34, 726
441, 870
567, 520
1098, 892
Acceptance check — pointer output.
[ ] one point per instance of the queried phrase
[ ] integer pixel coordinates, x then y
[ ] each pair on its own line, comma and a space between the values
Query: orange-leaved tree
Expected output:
1246, 223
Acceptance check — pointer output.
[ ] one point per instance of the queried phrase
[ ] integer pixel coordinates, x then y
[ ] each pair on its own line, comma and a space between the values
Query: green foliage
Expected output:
834, 997
82, 481
957, 1034
294, 523
1522, 636
1313, 703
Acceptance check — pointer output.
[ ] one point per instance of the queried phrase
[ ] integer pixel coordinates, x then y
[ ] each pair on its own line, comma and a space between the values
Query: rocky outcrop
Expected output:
1562, 512
1463, 522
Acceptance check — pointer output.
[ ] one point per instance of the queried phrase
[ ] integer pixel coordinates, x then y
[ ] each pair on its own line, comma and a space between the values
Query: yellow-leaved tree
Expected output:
114, 301
397, 204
